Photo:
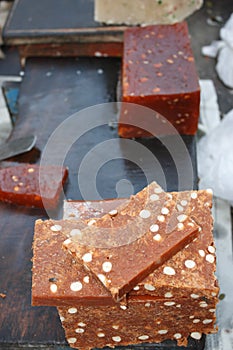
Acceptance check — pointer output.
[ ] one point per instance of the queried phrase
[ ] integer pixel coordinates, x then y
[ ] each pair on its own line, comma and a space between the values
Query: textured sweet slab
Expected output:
159, 73
31, 185
127, 244
51, 262
142, 322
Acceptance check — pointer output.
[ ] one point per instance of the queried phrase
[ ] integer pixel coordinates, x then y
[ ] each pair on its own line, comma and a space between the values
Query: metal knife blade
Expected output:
17, 146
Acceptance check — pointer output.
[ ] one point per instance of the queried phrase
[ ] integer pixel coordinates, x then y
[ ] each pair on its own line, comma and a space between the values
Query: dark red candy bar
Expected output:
31, 185
159, 73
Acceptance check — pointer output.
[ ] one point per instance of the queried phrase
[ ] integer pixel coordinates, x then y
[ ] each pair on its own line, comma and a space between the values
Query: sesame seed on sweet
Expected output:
184, 203
169, 271
113, 212
81, 324
182, 217
72, 340
123, 307
179, 208
201, 253
177, 336
107, 266
190, 264
86, 279
154, 197
207, 321
193, 195
53, 288
211, 249
154, 228
161, 218
168, 295
115, 326
180, 226
79, 330
164, 211
163, 331
72, 310
194, 296
145, 214
75, 232
210, 258
56, 228
102, 278
149, 287
116, 338
158, 190
196, 335
91, 222
196, 320
136, 288
147, 304
169, 303
100, 335
76, 286
87, 257
157, 237
143, 337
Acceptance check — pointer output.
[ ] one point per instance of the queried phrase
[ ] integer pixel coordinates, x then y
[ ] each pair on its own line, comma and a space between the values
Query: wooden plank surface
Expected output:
51, 91
57, 21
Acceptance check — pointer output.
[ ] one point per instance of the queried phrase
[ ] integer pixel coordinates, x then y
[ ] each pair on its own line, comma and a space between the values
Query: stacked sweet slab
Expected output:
174, 301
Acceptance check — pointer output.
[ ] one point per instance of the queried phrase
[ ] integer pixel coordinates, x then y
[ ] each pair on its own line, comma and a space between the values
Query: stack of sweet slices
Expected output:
113, 290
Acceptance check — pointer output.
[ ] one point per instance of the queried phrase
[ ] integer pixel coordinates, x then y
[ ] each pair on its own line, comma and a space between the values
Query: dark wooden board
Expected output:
56, 21
52, 90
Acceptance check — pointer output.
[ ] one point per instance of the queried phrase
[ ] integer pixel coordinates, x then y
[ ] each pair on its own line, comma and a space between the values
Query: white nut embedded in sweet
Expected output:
56, 228
182, 217
210, 258
164, 211
87, 257
53, 288
211, 249
149, 287
154, 197
157, 237
177, 336
117, 339
169, 271
196, 335
190, 264
145, 214
72, 310
76, 286
154, 228
143, 337
107, 266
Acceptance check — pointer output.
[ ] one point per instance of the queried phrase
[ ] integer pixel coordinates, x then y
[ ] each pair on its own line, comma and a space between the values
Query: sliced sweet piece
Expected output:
31, 185
48, 270
190, 272
159, 73
57, 279
122, 247
142, 322
144, 11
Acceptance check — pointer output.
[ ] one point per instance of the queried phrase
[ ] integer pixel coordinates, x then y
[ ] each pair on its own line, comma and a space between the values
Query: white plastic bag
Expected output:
215, 159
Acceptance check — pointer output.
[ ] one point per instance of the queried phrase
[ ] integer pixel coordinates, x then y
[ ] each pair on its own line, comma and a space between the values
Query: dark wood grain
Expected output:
51, 91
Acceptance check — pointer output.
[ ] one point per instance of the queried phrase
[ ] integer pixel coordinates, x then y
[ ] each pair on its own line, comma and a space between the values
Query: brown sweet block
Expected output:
50, 262
192, 270
25, 184
159, 72
124, 246
186, 281
57, 278
150, 322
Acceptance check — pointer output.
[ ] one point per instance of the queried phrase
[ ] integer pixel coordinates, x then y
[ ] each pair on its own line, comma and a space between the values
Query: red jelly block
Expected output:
159, 72
31, 185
